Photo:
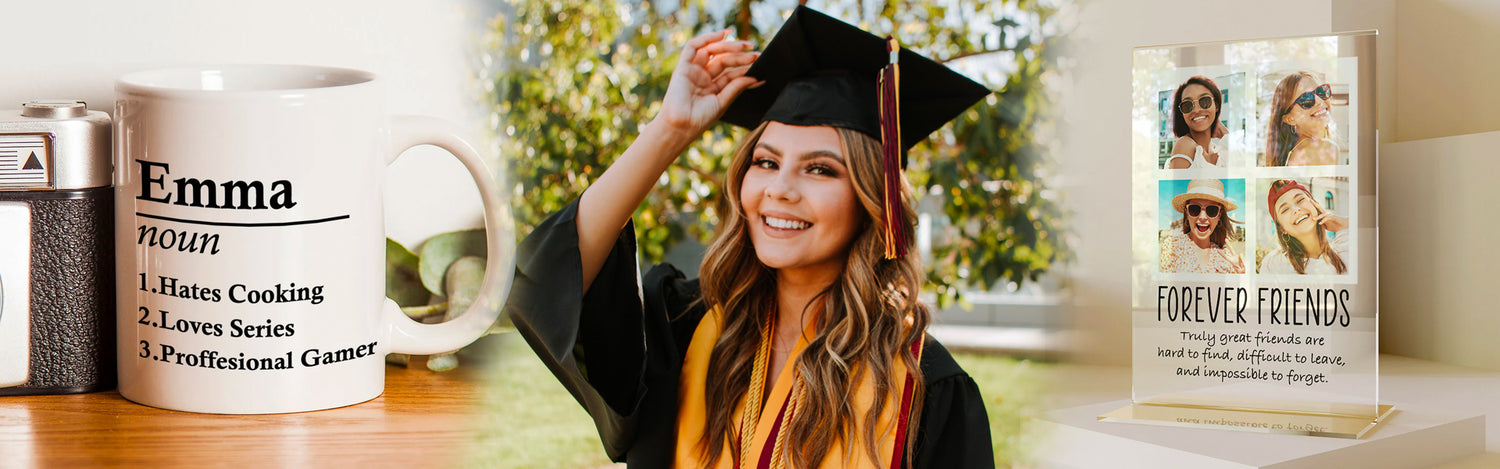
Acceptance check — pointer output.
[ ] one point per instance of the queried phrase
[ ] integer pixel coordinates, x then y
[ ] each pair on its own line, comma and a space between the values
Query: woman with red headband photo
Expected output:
1199, 242
1302, 227
1198, 105
1298, 132
803, 343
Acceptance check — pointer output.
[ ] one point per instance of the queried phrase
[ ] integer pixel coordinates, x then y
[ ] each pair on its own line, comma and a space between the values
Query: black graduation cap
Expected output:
821, 71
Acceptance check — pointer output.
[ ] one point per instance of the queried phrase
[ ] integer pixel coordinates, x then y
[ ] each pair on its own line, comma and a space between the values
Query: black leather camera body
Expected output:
57, 269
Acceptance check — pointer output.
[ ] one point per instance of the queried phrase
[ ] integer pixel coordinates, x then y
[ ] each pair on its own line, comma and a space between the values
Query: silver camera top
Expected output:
53, 145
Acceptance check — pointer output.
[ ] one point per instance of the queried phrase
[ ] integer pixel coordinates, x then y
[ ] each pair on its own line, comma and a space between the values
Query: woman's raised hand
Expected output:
710, 73
1234, 258
1332, 222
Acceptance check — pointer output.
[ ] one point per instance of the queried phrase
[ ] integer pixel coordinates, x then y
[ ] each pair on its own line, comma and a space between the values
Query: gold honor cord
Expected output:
778, 454
750, 420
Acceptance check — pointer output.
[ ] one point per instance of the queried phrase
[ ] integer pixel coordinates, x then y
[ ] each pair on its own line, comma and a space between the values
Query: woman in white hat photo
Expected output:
1200, 241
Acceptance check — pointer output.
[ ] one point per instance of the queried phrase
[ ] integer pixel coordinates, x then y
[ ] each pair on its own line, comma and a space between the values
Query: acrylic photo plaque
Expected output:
1254, 236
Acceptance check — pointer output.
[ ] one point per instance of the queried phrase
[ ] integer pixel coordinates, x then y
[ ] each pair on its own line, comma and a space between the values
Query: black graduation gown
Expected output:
619, 351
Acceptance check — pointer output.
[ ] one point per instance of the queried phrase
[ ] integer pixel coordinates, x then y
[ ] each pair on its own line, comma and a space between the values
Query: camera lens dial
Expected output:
54, 109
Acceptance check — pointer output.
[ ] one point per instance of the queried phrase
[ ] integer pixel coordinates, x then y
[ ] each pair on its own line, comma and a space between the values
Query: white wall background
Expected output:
1438, 197
422, 49
1449, 58
1438, 219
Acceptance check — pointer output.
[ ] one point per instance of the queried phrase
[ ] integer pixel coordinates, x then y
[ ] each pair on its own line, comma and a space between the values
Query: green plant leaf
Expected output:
442, 362
440, 252
398, 359
425, 313
462, 282
402, 282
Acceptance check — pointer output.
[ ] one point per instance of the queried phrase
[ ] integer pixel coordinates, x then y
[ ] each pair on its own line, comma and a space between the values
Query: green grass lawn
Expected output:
529, 420
1013, 400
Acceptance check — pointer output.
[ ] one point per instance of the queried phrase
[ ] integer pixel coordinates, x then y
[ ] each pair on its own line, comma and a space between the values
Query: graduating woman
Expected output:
803, 343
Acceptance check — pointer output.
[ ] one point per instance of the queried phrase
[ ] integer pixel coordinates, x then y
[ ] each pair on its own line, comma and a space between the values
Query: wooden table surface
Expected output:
423, 420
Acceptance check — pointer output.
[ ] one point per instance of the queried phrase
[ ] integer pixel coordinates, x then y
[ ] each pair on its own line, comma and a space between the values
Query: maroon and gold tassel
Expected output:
890, 146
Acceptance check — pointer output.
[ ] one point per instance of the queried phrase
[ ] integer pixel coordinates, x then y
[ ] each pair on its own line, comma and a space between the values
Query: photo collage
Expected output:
1254, 171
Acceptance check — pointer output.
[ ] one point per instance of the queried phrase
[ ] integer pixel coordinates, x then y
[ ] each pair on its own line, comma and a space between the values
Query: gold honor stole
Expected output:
764, 452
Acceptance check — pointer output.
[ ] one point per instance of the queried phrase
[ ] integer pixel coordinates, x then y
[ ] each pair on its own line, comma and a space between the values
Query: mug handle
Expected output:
412, 337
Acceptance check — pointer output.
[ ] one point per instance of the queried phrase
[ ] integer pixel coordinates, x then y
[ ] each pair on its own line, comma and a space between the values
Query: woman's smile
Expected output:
1202, 227
1301, 219
1321, 112
782, 225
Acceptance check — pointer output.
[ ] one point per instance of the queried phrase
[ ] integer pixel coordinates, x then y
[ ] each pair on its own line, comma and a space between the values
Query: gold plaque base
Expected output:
1247, 420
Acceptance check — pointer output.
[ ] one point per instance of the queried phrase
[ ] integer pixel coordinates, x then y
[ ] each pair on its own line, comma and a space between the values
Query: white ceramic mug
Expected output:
250, 239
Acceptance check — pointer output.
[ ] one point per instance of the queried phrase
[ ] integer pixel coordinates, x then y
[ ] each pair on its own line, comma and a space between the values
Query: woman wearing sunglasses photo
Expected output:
1199, 242
1302, 227
1197, 106
1298, 131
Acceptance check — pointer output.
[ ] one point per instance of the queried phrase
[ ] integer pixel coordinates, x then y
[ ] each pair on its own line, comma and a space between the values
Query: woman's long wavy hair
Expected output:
862, 321
1280, 136
1296, 252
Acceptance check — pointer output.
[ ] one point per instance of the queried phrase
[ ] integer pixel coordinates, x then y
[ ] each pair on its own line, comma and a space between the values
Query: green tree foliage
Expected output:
573, 84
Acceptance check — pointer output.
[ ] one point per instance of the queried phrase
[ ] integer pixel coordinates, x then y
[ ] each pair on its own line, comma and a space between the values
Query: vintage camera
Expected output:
57, 269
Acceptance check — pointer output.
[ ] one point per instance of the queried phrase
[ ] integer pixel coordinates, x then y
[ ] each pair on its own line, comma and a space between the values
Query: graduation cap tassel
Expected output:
890, 146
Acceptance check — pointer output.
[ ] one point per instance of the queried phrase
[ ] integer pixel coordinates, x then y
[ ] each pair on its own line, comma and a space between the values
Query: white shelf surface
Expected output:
1440, 421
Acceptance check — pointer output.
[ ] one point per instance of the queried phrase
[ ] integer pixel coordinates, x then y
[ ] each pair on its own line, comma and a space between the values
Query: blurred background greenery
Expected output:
572, 84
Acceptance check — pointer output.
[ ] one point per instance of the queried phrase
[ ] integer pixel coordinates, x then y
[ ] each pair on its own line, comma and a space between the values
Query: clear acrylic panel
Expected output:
1254, 221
